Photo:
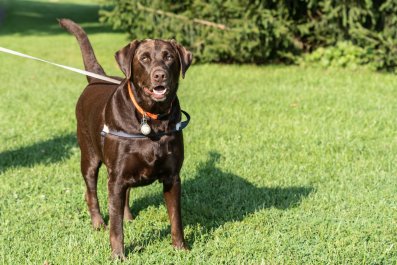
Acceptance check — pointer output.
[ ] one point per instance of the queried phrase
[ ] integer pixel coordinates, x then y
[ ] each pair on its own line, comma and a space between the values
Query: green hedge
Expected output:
253, 31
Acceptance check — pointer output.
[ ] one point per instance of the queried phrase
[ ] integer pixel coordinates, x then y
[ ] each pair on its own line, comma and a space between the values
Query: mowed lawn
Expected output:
284, 165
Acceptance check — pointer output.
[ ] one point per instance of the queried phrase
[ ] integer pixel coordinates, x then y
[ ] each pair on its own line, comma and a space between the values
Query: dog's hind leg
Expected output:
127, 212
90, 165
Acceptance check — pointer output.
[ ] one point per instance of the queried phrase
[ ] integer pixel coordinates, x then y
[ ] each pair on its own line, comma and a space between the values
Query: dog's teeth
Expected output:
159, 92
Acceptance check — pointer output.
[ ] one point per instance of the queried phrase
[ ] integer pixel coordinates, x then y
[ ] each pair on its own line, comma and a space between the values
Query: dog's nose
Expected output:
159, 76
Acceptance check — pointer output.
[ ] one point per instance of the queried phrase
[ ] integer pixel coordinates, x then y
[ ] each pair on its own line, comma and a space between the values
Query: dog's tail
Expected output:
90, 62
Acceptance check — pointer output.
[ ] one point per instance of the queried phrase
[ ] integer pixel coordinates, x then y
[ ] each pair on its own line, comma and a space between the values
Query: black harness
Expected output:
178, 128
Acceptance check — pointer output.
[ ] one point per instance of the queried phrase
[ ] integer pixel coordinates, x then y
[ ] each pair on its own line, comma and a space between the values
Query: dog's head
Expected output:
154, 67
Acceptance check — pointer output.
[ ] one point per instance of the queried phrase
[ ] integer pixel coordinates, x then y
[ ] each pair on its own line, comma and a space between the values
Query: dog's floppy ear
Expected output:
124, 57
185, 57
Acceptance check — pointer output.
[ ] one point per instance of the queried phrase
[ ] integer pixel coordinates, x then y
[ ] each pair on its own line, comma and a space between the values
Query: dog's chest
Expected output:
158, 162
144, 161
160, 151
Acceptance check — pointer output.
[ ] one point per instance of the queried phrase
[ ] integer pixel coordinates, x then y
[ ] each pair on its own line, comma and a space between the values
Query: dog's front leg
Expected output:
172, 196
117, 194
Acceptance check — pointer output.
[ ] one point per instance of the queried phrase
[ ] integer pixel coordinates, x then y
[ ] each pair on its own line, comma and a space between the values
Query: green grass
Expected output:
284, 165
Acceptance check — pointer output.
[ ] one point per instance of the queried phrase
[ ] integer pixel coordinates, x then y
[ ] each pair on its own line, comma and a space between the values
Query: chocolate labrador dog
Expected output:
133, 128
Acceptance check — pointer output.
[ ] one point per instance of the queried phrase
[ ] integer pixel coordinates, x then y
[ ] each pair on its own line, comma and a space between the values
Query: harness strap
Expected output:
178, 127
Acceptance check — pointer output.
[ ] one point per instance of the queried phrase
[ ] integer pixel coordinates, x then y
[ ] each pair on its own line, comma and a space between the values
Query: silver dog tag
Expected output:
145, 128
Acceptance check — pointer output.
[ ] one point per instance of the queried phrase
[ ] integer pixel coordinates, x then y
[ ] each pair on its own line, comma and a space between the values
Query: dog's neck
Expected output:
121, 114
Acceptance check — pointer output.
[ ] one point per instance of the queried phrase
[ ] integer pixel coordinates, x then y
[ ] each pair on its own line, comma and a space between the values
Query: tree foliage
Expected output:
254, 31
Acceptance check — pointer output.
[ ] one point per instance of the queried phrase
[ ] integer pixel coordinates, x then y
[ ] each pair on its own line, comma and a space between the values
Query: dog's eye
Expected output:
169, 57
145, 59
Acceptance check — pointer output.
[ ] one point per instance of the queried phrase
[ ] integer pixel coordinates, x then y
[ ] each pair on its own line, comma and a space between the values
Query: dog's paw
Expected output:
98, 224
118, 255
128, 216
181, 246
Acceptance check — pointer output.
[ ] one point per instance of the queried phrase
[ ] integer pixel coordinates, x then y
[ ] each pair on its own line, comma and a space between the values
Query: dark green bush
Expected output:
253, 31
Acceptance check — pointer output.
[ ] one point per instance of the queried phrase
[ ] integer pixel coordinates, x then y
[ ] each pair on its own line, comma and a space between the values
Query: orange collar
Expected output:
141, 111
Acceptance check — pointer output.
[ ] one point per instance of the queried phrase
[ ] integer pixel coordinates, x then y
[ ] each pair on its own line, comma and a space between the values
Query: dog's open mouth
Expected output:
158, 92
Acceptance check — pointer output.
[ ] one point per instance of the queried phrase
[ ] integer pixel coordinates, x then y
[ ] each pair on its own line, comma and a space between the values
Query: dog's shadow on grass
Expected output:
44, 152
214, 197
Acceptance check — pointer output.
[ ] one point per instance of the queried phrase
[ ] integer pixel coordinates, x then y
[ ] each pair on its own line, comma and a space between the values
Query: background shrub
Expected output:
343, 54
253, 31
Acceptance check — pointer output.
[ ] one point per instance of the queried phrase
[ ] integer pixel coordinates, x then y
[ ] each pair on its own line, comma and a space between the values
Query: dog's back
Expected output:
92, 102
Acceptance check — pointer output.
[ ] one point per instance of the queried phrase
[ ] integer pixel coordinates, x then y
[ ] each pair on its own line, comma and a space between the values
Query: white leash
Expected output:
83, 72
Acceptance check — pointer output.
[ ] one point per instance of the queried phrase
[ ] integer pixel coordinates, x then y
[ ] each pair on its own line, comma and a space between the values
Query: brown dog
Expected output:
147, 96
